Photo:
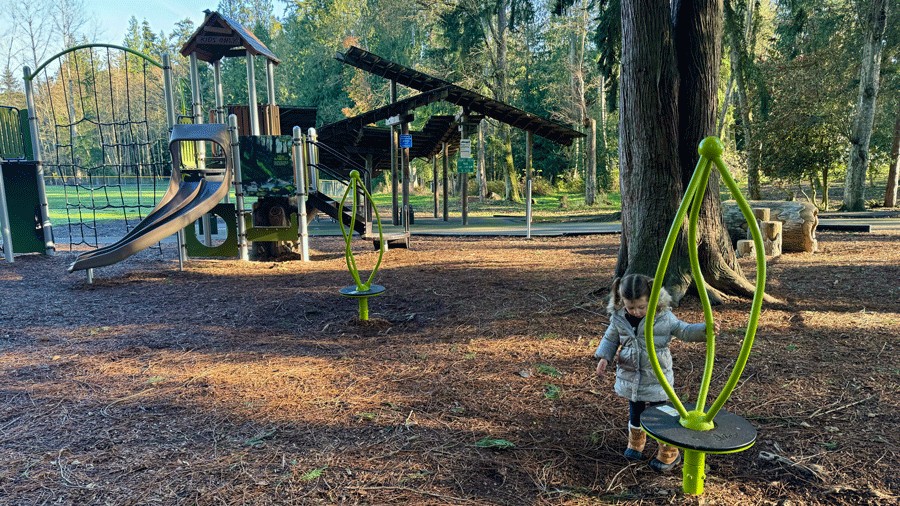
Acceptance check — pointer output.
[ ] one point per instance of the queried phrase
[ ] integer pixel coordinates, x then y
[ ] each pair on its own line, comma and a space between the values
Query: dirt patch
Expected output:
254, 383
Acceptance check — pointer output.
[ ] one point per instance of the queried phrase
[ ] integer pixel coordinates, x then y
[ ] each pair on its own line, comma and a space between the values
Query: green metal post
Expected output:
694, 472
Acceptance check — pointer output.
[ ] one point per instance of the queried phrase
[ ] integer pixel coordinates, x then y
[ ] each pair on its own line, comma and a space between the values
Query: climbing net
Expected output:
102, 122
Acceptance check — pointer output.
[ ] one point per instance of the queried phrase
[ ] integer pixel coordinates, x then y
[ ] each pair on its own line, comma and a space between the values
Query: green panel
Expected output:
25, 129
23, 206
228, 248
272, 234
11, 145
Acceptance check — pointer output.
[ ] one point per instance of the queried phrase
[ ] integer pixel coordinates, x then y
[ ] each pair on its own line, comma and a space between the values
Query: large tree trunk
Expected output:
668, 105
855, 183
649, 171
890, 192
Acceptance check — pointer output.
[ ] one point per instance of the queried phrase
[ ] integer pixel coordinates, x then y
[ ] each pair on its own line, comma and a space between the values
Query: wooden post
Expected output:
434, 185
464, 177
405, 164
745, 247
395, 212
446, 162
771, 232
762, 214
370, 217
482, 176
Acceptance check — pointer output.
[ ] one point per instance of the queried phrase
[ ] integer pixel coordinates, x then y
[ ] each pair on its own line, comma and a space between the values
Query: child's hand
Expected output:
601, 366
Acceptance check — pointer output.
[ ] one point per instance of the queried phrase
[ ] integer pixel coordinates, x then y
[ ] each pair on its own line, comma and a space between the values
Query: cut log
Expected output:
772, 238
762, 213
799, 222
745, 248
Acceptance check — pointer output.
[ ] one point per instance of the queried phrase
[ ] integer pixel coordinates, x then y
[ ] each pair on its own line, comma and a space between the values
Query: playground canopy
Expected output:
355, 136
469, 100
220, 36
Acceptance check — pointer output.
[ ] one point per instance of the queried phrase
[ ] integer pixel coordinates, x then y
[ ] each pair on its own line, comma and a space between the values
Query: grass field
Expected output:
107, 203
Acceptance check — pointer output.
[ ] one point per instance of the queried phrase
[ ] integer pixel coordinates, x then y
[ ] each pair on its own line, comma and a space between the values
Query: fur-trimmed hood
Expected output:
665, 302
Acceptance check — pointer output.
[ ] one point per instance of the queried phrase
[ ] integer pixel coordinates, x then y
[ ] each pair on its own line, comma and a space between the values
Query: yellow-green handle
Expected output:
347, 232
710, 151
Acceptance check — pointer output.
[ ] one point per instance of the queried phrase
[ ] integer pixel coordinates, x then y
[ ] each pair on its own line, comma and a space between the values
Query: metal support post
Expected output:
169, 94
395, 213
49, 246
446, 178
270, 82
313, 138
238, 187
300, 167
370, 164
434, 184
220, 95
197, 110
4, 221
251, 92
529, 143
464, 176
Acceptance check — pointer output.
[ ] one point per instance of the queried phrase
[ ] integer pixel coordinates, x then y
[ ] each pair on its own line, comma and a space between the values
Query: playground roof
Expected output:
356, 135
220, 36
470, 100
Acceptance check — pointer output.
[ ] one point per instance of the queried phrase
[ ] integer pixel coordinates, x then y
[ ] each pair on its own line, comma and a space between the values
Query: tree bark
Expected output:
744, 111
591, 165
649, 173
482, 171
512, 177
668, 105
603, 176
890, 192
855, 182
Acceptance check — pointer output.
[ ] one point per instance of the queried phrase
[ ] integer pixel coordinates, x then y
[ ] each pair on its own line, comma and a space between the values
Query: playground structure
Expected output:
104, 136
700, 431
23, 204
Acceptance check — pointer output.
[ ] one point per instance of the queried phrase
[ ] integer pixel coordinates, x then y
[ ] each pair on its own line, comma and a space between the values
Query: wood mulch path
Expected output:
253, 383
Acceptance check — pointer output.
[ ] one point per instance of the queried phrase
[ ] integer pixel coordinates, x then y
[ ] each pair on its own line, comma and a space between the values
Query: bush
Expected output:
565, 185
496, 186
540, 187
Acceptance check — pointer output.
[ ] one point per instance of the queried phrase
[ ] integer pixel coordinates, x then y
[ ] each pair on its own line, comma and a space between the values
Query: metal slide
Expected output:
186, 200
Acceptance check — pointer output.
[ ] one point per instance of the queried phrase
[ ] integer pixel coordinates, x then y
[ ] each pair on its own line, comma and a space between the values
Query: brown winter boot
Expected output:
637, 438
667, 457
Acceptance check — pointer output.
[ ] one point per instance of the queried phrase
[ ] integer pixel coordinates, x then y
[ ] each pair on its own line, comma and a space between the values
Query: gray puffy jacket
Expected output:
634, 374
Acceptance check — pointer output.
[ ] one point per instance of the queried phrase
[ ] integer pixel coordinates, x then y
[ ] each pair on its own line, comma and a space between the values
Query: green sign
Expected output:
465, 165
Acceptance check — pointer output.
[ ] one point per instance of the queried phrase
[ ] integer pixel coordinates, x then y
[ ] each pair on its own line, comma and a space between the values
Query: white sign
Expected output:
465, 148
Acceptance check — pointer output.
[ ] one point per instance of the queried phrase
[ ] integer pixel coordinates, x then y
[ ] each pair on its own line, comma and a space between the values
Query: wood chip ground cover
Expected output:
253, 383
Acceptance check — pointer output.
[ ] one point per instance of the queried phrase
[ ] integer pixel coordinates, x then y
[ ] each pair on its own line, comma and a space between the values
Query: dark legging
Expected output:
635, 408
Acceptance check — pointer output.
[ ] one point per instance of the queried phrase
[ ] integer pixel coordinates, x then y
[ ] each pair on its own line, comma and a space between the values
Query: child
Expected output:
635, 379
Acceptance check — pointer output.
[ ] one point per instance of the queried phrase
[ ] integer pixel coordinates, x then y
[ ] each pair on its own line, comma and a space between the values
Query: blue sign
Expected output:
405, 141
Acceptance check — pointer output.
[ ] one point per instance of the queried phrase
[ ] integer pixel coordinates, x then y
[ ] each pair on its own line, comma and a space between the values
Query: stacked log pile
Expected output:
798, 222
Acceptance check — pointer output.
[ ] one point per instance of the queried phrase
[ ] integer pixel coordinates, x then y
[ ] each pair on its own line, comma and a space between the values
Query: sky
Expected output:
112, 15
108, 19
